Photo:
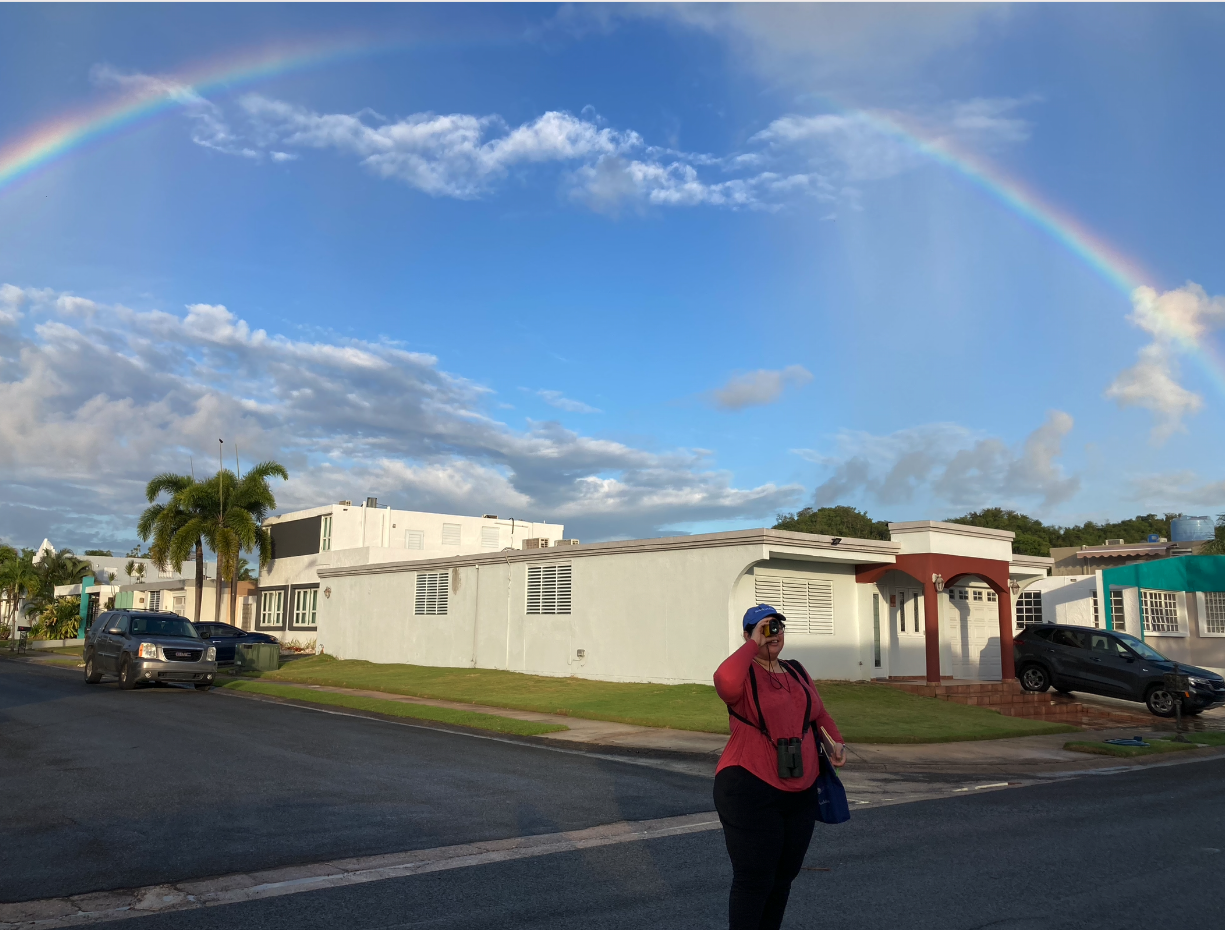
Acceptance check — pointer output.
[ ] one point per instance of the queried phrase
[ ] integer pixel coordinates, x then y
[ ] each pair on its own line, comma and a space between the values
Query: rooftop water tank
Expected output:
1191, 529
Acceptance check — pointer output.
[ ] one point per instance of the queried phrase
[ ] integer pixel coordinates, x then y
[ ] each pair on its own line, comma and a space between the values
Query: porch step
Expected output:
1008, 698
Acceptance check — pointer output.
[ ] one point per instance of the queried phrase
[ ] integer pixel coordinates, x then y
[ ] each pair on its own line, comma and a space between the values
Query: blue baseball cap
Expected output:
754, 615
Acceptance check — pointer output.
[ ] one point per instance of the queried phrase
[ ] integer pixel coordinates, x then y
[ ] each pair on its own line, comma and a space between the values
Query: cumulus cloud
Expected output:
561, 402
95, 398
755, 388
949, 464
1177, 321
1159, 492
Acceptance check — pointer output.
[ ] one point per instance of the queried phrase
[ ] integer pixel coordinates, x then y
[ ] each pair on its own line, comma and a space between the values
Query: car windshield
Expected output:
1144, 650
163, 626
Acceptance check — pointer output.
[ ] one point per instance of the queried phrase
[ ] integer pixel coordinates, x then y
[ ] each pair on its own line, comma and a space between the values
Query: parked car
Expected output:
1113, 664
145, 647
227, 639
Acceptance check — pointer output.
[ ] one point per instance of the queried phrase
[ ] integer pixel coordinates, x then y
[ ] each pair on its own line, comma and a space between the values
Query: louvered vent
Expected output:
548, 589
807, 605
432, 591
450, 534
490, 537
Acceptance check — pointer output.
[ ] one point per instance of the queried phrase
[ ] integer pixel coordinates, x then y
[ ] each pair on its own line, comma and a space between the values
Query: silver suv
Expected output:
148, 646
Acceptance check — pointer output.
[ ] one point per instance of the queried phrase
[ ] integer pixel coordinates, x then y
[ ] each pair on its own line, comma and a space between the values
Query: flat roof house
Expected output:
935, 602
306, 540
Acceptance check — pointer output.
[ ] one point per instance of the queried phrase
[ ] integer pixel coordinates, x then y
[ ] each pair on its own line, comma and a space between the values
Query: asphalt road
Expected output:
111, 777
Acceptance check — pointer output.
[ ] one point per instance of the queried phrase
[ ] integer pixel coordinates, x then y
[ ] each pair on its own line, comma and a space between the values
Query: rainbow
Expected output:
55, 139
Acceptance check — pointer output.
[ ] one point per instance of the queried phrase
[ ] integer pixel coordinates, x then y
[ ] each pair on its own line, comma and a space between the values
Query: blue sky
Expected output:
638, 270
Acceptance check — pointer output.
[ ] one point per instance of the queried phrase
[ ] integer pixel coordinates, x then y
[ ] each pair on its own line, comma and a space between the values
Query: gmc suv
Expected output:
1118, 665
145, 647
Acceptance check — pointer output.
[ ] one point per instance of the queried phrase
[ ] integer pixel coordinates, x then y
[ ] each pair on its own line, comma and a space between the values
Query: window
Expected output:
155, 600
1160, 611
1214, 611
165, 572
978, 594
325, 533
490, 537
807, 605
414, 539
991, 598
305, 602
548, 589
876, 630
450, 534
271, 605
1071, 639
962, 594
901, 612
180, 603
1029, 608
1117, 616
433, 589
1097, 623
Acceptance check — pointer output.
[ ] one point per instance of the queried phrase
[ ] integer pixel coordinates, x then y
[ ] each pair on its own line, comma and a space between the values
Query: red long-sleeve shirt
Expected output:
783, 708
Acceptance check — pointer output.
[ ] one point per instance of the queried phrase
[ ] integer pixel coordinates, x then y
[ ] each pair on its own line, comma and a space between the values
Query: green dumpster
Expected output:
258, 657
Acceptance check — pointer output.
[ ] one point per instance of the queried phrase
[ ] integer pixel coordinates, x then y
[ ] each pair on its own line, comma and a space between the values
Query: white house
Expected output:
669, 609
306, 540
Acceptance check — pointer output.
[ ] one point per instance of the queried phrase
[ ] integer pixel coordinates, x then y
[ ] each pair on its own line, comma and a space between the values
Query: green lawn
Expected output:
1127, 752
1204, 739
865, 713
465, 718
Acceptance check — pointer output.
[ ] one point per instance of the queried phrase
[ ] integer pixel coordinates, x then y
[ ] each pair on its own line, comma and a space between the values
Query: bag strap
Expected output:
761, 724
795, 663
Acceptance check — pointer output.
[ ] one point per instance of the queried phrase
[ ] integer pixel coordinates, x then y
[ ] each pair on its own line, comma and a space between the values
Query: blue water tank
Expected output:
1190, 529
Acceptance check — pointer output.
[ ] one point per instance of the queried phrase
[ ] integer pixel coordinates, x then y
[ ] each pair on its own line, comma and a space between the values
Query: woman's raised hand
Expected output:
761, 632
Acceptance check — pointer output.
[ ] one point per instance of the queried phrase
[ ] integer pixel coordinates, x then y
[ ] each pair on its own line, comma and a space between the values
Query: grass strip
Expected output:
465, 718
63, 663
865, 713
1203, 739
1126, 752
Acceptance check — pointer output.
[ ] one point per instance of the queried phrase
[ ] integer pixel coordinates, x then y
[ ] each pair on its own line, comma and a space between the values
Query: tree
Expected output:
106, 552
833, 521
60, 619
19, 579
1217, 545
55, 569
176, 528
1033, 537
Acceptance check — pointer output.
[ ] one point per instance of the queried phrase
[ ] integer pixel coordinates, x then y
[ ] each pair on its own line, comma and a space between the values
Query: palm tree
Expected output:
19, 579
240, 507
177, 528
55, 569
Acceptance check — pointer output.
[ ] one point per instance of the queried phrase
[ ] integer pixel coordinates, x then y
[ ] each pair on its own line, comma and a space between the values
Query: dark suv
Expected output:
1118, 665
145, 647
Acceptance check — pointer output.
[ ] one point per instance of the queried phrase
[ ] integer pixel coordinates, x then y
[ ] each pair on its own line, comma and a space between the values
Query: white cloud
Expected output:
1177, 321
755, 388
949, 464
1165, 492
94, 403
561, 402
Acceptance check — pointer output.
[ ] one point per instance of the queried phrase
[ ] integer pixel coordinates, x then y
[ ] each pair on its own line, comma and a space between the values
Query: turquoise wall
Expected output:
1185, 573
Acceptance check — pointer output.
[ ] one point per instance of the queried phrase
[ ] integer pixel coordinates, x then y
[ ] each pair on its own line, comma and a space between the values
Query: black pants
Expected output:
767, 832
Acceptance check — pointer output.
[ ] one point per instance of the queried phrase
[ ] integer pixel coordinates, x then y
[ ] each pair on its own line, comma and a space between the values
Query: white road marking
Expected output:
98, 907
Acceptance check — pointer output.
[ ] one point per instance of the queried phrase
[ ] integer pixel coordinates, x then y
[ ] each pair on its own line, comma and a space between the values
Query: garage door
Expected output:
974, 633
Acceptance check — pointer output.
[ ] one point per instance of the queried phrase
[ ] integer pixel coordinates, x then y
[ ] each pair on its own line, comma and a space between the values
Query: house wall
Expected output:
666, 616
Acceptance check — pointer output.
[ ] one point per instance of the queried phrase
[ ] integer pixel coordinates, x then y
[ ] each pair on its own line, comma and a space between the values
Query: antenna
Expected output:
192, 465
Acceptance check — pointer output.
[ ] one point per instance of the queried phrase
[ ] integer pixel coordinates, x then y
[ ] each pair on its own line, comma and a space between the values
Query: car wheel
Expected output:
203, 685
92, 675
127, 680
1035, 678
1159, 701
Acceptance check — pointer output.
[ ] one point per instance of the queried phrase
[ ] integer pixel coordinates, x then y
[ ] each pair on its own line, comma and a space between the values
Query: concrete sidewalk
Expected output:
1024, 755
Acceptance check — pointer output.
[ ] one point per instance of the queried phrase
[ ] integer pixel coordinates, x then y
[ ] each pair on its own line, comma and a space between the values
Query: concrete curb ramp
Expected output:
97, 907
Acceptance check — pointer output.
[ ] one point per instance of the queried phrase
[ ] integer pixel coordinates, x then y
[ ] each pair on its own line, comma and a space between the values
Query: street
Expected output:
108, 789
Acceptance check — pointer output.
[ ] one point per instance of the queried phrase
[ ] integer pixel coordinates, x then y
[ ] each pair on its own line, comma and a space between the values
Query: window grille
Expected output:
414, 539
325, 534
1029, 608
978, 594
1214, 610
490, 537
962, 594
155, 600
876, 630
247, 611
450, 534
180, 604
433, 590
305, 603
1117, 616
807, 605
991, 598
548, 589
1160, 611
271, 605
1097, 623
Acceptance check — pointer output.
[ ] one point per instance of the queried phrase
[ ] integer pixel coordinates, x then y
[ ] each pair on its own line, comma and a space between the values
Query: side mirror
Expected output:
115, 630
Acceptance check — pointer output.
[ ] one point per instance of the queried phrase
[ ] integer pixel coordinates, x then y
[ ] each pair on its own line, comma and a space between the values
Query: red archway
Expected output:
924, 567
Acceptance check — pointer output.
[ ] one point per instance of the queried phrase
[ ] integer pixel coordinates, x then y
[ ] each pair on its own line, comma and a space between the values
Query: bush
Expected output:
58, 620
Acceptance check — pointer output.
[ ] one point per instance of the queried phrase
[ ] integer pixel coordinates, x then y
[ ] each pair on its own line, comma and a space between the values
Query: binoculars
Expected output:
776, 626
790, 758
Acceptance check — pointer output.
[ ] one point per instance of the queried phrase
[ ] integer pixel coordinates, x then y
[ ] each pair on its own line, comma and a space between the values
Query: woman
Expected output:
768, 810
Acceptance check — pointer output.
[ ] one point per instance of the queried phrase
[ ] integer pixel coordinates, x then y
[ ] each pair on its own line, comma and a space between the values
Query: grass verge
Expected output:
1126, 752
865, 713
464, 718
1203, 739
